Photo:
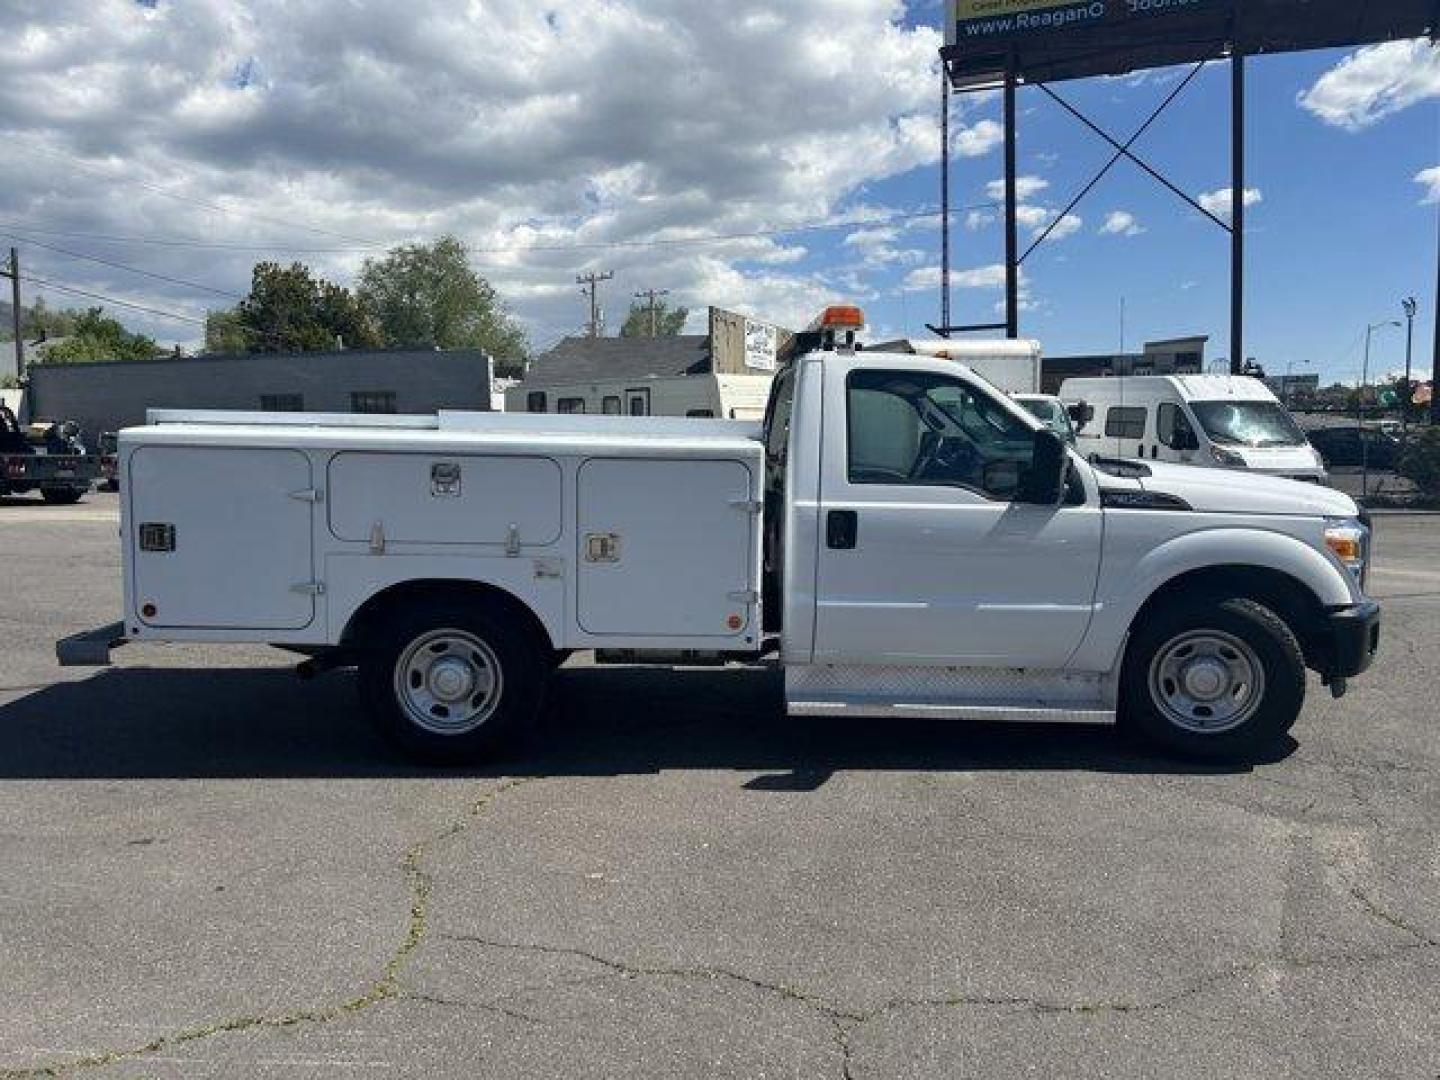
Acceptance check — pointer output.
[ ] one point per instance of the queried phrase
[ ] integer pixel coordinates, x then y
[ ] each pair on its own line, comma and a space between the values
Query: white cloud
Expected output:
978, 277
1026, 187
1374, 82
1069, 225
331, 123
1121, 223
1218, 202
979, 219
978, 139
1430, 179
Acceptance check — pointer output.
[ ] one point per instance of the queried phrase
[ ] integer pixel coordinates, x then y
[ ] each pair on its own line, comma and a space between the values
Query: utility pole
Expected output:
590, 287
14, 275
651, 295
1410, 306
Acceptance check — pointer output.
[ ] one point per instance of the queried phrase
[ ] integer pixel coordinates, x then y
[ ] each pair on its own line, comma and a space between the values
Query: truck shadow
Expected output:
143, 723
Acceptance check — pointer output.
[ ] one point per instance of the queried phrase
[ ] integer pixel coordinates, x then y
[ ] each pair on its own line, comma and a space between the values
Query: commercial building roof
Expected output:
589, 360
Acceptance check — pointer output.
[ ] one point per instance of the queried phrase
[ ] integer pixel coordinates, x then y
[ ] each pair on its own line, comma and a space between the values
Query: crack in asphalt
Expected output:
846, 1021
385, 987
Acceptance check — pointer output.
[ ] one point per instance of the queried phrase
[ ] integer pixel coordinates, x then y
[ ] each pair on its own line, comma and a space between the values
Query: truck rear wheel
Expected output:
451, 683
1213, 678
61, 496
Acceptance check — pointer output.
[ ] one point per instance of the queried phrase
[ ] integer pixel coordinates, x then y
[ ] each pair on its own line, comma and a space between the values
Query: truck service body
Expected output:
898, 534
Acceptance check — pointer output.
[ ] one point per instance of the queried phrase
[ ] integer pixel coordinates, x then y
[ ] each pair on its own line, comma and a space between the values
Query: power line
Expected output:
122, 266
81, 163
33, 280
520, 249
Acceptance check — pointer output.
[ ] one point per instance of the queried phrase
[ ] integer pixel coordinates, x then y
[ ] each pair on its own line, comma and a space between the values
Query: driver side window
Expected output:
917, 428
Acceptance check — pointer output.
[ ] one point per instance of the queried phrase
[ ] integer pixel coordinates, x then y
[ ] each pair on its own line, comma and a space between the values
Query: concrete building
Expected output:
1172, 356
109, 396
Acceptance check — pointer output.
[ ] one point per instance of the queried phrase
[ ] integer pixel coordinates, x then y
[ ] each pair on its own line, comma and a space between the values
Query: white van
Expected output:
1230, 421
703, 396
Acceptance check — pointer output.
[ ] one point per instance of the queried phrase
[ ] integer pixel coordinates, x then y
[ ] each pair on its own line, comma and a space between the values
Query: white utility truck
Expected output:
1221, 421
904, 539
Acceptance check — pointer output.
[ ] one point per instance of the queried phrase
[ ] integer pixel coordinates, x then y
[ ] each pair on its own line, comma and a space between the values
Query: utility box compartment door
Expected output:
222, 537
446, 499
666, 549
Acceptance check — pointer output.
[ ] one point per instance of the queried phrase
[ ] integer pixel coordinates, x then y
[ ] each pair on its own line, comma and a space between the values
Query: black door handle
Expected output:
840, 529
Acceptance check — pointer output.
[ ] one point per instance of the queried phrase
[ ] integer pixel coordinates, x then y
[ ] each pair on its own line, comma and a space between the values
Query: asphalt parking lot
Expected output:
211, 868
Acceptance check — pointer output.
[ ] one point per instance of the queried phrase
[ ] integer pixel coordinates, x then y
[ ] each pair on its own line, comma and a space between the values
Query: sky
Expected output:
656, 138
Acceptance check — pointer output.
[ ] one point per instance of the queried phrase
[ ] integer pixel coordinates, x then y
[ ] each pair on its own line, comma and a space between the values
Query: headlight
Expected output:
1227, 458
1349, 541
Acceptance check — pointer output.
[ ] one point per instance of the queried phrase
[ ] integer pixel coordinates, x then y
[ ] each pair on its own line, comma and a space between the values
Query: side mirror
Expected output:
1002, 478
1043, 484
1187, 440
1080, 414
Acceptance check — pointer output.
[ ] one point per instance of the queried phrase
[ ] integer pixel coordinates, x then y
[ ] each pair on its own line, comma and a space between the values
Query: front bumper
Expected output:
1354, 634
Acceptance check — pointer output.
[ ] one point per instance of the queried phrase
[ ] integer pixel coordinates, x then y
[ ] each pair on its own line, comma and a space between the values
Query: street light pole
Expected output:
1410, 306
1360, 406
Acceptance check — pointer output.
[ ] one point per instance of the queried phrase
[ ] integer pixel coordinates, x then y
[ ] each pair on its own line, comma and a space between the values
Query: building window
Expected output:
610, 406
535, 401
570, 405
282, 403
1125, 422
372, 401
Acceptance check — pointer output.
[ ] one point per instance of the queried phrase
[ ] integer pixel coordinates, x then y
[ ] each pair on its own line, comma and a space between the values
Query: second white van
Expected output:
1229, 421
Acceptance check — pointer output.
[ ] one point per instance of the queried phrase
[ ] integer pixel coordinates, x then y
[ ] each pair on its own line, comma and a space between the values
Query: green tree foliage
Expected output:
428, 296
289, 309
1421, 460
669, 321
37, 320
225, 333
95, 336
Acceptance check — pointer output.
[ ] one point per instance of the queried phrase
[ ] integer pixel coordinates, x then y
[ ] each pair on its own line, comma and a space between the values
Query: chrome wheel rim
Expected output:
1207, 681
448, 682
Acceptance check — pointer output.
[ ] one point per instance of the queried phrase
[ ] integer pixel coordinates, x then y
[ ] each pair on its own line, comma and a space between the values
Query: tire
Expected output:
452, 682
1217, 678
61, 496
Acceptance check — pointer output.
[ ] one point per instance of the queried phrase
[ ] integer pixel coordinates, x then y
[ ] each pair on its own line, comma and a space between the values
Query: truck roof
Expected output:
451, 431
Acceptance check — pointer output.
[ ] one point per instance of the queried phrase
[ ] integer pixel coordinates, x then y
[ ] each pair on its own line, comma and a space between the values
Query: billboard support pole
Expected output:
945, 197
1012, 235
1237, 211
1435, 362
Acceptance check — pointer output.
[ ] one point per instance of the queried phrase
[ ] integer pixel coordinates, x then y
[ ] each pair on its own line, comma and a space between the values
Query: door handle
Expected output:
841, 527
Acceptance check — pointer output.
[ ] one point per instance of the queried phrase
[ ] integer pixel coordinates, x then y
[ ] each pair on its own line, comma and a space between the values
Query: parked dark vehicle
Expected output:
109, 461
1341, 446
44, 455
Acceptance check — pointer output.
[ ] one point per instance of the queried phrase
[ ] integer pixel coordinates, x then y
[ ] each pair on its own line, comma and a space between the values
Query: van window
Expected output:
535, 401
570, 405
700, 414
610, 405
1125, 422
1172, 427
1248, 423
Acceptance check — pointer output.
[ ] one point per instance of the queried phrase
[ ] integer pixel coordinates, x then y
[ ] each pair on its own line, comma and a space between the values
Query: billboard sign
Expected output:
1052, 40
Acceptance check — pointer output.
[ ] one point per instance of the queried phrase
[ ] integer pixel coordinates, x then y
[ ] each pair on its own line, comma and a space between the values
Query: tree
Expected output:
668, 322
428, 296
225, 333
1421, 461
95, 336
289, 309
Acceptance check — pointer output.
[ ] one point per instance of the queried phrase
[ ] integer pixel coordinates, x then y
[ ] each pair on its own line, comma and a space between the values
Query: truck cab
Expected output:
900, 535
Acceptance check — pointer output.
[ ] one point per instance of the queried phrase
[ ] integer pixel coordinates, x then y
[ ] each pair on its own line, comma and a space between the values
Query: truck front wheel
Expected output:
1213, 678
451, 683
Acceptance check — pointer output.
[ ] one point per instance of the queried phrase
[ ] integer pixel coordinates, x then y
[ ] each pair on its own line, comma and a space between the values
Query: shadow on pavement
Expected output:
154, 723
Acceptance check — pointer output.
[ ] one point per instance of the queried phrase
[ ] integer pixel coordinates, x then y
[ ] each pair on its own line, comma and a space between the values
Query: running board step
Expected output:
995, 711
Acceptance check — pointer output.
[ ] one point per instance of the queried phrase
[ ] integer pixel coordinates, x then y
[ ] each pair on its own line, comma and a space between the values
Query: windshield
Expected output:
1248, 423
1052, 414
